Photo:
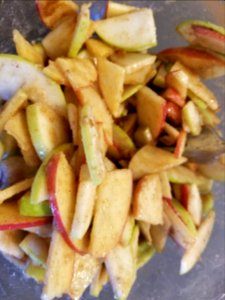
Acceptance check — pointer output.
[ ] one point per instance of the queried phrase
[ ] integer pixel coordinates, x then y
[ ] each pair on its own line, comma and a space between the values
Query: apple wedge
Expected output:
192, 255
109, 72
204, 34
39, 88
144, 161
111, 198
10, 218
151, 110
47, 129
39, 190
36, 248
85, 200
85, 269
17, 127
9, 243
91, 144
26, 208
133, 31
53, 12
98, 48
147, 201
81, 31
205, 64
58, 279
15, 189
61, 183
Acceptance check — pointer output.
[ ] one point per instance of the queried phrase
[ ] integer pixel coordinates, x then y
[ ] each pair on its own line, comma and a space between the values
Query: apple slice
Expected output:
116, 9
133, 62
79, 72
85, 269
61, 183
183, 231
85, 201
53, 12
204, 34
194, 204
165, 185
36, 248
91, 144
160, 233
145, 254
99, 281
16, 103
58, 279
15, 189
9, 243
35, 272
127, 231
142, 76
111, 198
17, 127
10, 218
205, 64
81, 31
133, 31
39, 190
192, 255
109, 72
47, 129
180, 145
214, 170
172, 95
26, 208
147, 201
145, 231
73, 120
191, 119
143, 162
151, 110
26, 50
57, 42
97, 48
37, 86
44, 231
208, 203
53, 72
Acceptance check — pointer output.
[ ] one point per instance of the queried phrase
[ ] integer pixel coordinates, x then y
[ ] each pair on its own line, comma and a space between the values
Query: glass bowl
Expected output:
159, 279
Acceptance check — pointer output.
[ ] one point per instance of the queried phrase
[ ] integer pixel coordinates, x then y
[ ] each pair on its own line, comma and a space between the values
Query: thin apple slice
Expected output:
205, 64
26, 208
17, 102
127, 231
144, 161
130, 90
204, 34
192, 255
151, 110
10, 218
111, 198
109, 72
97, 48
183, 233
15, 189
53, 72
142, 76
57, 42
160, 233
191, 119
35, 272
17, 127
85, 269
85, 201
180, 145
39, 190
53, 12
165, 184
79, 72
133, 62
91, 144
47, 129
36, 248
194, 204
9, 243
61, 183
147, 201
58, 279
36, 85
133, 31
116, 9
26, 50
81, 31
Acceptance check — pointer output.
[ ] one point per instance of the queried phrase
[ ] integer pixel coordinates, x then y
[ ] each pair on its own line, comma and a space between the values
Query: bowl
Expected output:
159, 279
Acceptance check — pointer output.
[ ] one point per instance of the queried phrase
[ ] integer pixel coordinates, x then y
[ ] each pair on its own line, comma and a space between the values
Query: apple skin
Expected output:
10, 218
174, 96
51, 172
173, 113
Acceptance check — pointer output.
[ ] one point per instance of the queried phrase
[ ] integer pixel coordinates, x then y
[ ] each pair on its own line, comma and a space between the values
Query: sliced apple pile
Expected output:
101, 146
